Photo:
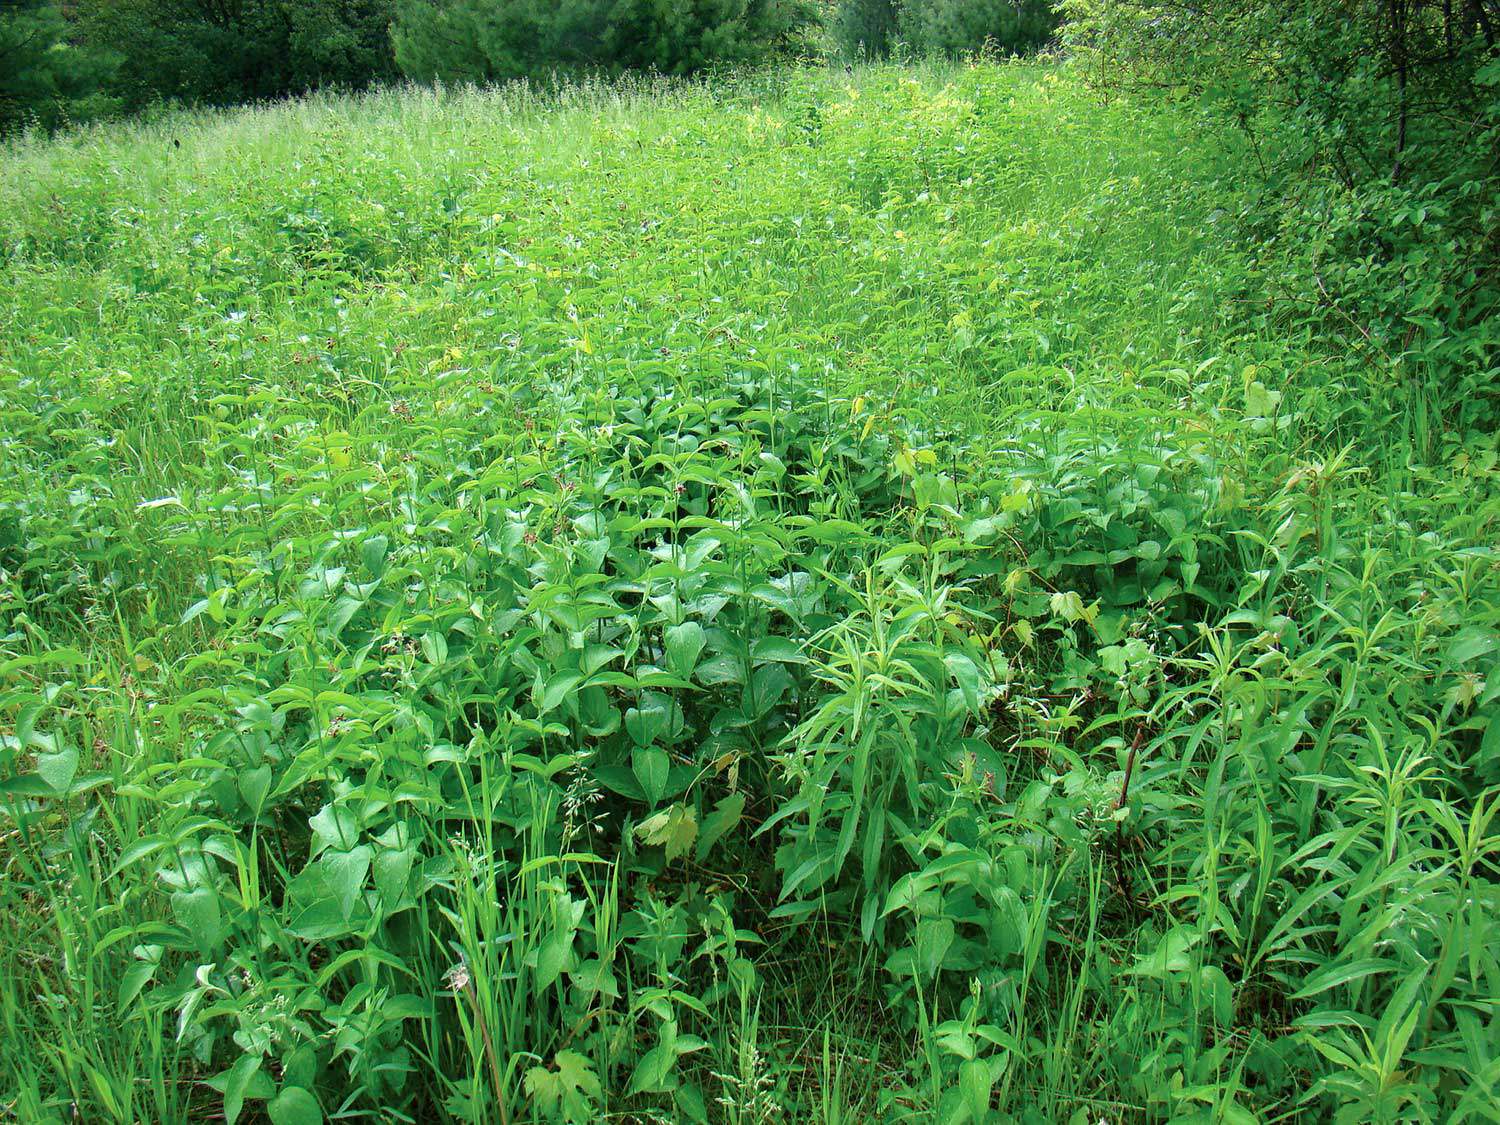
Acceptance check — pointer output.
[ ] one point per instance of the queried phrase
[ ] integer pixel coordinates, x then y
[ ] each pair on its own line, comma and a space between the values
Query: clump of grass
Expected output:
814, 596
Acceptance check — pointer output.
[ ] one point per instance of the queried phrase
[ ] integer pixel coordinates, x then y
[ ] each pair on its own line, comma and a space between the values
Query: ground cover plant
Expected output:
811, 596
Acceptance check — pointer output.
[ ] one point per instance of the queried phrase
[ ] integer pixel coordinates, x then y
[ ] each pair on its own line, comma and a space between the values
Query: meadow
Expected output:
802, 596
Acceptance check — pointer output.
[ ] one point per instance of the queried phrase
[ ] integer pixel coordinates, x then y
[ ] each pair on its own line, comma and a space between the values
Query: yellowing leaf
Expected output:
674, 829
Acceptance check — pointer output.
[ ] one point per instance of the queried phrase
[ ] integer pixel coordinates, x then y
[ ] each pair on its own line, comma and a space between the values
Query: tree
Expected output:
226, 51
871, 28
487, 40
1367, 81
866, 29
1374, 126
957, 27
45, 80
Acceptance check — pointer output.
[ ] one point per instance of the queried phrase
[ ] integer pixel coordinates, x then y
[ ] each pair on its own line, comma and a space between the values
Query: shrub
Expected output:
1375, 124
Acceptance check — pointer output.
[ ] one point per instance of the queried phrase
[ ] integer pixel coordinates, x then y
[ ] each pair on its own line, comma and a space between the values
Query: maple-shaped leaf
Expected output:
675, 829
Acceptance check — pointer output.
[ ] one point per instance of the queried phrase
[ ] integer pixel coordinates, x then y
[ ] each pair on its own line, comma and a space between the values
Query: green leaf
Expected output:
372, 554
1219, 992
345, 872
654, 1072
1489, 745
1170, 955
26, 785
133, 980
618, 779
253, 786
725, 816
295, 1106
782, 650
392, 870
552, 958
334, 826
1471, 643
544, 1088
577, 1072
651, 766
240, 1074
197, 911
965, 674
934, 937
435, 648
557, 689
684, 644
649, 721
975, 1082
59, 769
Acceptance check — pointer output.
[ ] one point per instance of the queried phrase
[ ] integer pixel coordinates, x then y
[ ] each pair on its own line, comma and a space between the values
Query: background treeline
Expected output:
66, 61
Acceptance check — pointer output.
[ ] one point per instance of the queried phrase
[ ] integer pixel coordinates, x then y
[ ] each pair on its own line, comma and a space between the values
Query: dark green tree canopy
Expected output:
45, 79
486, 40
872, 28
242, 50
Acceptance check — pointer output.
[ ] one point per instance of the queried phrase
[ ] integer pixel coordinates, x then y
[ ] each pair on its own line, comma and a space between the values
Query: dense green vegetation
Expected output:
1374, 128
849, 598
63, 63
216, 53
486, 40
955, 28
44, 81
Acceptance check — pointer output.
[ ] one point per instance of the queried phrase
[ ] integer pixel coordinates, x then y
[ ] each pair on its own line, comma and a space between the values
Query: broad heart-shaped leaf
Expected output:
345, 872
965, 674
1171, 954
782, 649
392, 869
650, 766
557, 689
254, 785
135, 978
654, 1071
684, 645
372, 554
726, 668
197, 911
1470, 643
59, 769
975, 1080
334, 826
620, 780
295, 1106
552, 959
1489, 745
26, 785
934, 936
435, 648
649, 721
